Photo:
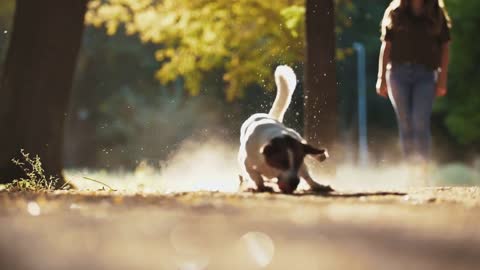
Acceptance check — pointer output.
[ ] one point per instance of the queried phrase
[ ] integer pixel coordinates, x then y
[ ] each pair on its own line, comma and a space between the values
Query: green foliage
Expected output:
6, 8
240, 37
6, 11
35, 179
243, 38
462, 104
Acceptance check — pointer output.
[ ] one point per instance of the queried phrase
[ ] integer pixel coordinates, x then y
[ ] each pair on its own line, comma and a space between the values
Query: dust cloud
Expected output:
210, 165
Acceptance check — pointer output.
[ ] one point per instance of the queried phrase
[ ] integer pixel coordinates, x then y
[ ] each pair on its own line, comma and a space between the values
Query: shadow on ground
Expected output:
433, 228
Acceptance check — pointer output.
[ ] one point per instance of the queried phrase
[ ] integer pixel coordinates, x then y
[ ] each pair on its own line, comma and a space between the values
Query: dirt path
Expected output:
421, 229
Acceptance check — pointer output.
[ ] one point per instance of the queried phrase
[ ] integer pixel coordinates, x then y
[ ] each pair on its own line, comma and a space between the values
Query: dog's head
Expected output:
286, 154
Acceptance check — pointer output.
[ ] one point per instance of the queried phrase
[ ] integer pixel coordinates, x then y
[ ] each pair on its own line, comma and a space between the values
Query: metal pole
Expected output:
362, 104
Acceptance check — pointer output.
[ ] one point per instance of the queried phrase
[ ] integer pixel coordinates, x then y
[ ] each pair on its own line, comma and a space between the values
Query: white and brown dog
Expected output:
270, 150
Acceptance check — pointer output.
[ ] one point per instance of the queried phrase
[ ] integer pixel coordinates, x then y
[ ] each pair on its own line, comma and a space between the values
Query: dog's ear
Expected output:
267, 150
310, 150
273, 147
275, 154
321, 153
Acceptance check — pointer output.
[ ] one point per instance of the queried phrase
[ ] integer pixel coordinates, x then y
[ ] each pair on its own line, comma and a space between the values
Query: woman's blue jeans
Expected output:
411, 89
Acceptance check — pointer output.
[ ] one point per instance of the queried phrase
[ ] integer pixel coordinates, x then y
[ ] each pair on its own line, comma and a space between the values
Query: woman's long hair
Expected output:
434, 11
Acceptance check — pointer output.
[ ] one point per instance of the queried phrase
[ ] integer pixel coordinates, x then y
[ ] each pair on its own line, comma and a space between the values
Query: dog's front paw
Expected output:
317, 188
265, 189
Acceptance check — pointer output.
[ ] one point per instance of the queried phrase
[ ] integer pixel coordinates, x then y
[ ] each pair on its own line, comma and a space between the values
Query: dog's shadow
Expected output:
340, 194
327, 194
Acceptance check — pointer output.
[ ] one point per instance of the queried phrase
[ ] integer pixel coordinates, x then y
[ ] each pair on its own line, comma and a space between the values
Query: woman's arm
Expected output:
384, 59
443, 71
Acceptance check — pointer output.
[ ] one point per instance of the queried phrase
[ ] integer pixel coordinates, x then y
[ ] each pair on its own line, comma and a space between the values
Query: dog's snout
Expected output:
288, 182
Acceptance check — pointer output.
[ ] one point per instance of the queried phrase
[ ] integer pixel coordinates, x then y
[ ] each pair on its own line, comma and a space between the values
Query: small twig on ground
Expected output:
99, 182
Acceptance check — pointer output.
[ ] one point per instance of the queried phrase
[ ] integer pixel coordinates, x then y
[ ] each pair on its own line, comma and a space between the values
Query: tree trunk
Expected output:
36, 82
320, 78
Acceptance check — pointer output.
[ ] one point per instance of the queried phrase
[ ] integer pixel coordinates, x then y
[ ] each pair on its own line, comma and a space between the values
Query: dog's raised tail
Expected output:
286, 81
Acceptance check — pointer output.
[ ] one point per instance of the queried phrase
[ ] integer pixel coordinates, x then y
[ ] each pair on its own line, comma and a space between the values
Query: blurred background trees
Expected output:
152, 74
242, 39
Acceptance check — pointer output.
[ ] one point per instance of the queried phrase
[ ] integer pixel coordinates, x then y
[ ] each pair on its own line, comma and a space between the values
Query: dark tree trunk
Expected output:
320, 77
36, 82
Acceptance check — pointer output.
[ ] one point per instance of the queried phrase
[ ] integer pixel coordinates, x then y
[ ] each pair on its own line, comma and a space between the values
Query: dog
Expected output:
269, 150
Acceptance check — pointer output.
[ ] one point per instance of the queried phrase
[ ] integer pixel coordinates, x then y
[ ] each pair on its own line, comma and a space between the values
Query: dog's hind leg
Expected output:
314, 186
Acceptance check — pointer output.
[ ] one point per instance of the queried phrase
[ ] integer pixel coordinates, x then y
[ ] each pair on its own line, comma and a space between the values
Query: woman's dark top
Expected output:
415, 43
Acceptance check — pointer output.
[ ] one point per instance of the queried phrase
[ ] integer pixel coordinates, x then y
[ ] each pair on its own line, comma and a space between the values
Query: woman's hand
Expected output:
382, 86
382, 68
441, 89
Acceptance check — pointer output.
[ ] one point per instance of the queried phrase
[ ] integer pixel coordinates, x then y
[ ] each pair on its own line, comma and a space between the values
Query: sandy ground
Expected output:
436, 228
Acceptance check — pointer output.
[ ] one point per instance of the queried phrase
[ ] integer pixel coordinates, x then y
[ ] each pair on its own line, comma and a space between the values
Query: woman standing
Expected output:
413, 68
